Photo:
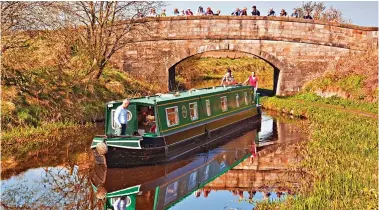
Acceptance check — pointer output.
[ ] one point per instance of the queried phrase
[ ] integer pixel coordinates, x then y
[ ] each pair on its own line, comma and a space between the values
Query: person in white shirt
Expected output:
121, 116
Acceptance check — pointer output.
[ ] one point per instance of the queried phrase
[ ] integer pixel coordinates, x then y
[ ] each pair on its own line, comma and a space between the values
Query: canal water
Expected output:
249, 169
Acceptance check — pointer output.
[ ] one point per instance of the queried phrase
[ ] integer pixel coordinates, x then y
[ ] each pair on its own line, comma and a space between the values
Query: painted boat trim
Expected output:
124, 192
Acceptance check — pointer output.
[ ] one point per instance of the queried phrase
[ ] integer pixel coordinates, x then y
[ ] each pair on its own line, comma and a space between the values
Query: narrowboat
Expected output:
162, 186
165, 127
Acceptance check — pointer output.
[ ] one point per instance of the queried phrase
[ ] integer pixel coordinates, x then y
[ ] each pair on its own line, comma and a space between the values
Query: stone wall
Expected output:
301, 49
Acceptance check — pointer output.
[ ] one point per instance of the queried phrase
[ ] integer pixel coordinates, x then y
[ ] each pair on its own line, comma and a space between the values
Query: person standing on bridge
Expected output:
200, 11
237, 12
295, 14
121, 116
152, 13
271, 12
255, 12
176, 12
283, 13
163, 13
253, 81
244, 12
209, 11
308, 16
189, 12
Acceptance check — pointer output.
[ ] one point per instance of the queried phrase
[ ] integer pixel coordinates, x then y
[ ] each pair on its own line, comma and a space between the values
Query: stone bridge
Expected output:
299, 50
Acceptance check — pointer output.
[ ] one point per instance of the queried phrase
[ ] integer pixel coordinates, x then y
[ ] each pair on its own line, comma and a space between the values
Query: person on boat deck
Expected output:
121, 116
253, 81
228, 78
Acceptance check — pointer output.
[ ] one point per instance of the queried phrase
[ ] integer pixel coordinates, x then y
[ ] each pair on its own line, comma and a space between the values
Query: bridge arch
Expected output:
279, 65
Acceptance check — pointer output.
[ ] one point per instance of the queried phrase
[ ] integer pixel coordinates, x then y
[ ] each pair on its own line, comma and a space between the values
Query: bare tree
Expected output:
321, 12
105, 25
21, 19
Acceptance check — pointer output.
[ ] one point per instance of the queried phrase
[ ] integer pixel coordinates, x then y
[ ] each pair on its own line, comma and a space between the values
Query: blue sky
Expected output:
364, 13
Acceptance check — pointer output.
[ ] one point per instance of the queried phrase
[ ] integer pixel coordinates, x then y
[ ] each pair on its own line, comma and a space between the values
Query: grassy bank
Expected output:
358, 105
340, 163
38, 102
354, 77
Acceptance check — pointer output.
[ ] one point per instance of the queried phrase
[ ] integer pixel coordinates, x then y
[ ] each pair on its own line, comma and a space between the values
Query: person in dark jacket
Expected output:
209, 11
237, 12
255, 12
271, 12
244, 12
308, 16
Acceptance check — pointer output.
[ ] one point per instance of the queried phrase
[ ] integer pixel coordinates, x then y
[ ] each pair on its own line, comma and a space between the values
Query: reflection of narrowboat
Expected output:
166, 126
161, 186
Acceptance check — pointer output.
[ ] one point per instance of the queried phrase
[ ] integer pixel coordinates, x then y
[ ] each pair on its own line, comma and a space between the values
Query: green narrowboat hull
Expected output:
184, 125
119, 156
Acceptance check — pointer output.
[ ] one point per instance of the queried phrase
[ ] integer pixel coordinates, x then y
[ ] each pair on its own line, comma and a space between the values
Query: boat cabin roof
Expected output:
158, 98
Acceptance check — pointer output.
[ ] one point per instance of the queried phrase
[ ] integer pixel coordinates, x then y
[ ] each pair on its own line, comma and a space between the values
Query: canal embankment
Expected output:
340, 159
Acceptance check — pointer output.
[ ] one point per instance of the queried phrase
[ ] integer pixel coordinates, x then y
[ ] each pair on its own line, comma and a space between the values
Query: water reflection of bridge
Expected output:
268, 171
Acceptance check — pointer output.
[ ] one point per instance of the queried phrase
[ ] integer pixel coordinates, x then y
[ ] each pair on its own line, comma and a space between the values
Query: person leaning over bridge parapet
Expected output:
244, 12
140, 14
200, 11
209, 11
189, 12
283, 13
217, 13
271, 12
163, 13
295, 14
308, 16
152, 13
255, 12
176, 12
237, 12
182, 13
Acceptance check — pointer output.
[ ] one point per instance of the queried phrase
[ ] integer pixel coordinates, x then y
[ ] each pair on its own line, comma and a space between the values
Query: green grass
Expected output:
351, 85
340, 160
46, 97
337, 101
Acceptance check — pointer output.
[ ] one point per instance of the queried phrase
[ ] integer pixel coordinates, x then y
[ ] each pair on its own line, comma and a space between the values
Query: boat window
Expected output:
224, 104
193, 111
246, 101
172, 116
238, 100
115, 202
208, 105
112, 118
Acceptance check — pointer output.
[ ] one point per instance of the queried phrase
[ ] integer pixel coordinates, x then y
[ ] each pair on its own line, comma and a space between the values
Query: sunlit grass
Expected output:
340, 159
